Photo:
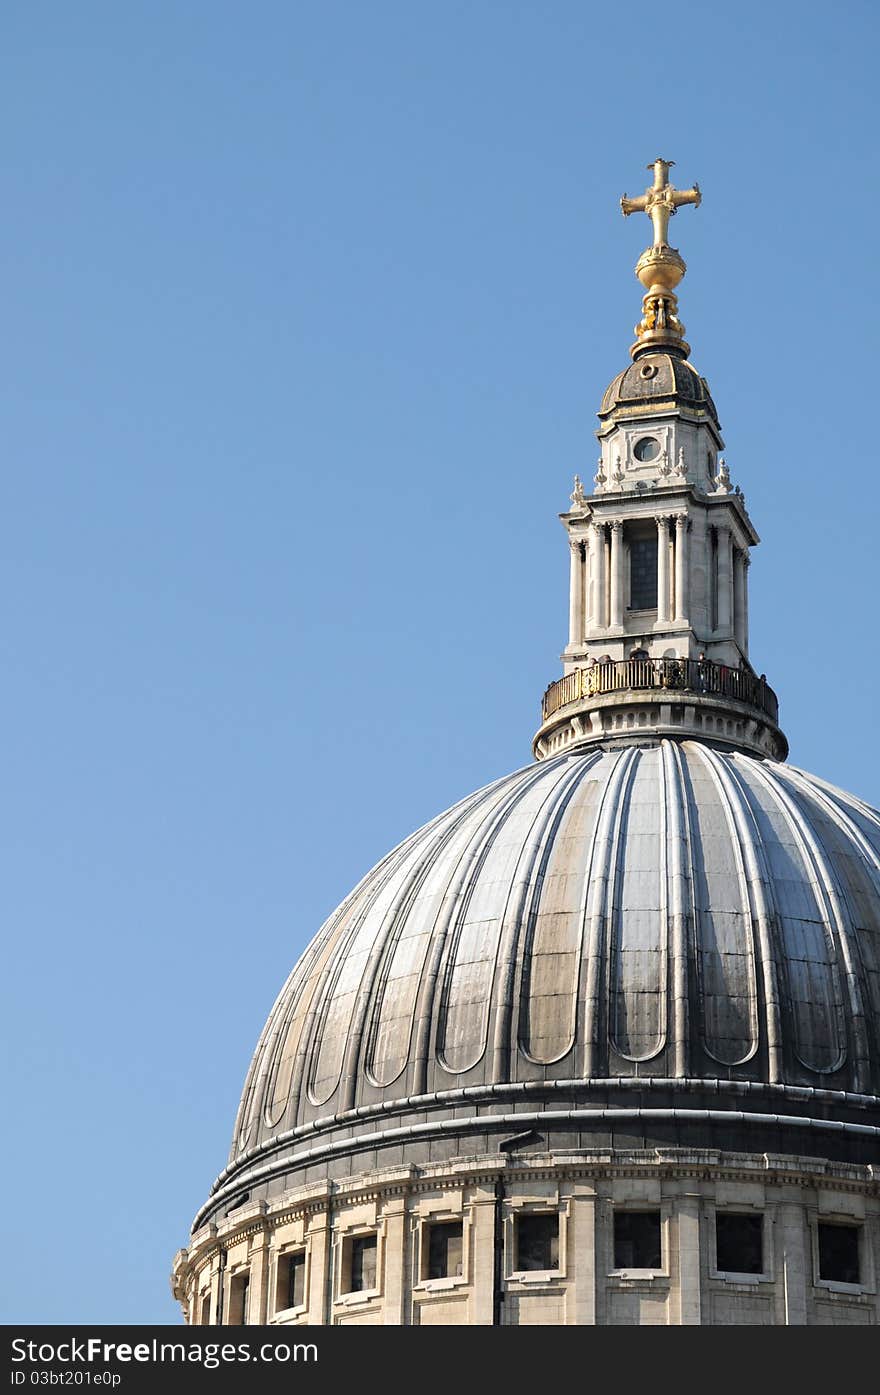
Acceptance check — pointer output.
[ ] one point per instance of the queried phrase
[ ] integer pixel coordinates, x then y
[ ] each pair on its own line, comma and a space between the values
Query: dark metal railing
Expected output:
677, 675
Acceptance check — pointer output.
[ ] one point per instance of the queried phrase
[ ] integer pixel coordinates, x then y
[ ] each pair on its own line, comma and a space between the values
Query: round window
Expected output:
646, 449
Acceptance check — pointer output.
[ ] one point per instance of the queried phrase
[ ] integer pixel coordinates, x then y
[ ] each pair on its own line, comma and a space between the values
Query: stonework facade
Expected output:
782, 1206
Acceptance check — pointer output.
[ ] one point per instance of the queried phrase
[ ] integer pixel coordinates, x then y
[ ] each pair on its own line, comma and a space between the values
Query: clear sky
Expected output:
306, 312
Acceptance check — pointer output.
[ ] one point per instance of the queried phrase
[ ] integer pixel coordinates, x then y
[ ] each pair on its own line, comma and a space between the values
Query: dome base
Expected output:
592, 721
533, 1233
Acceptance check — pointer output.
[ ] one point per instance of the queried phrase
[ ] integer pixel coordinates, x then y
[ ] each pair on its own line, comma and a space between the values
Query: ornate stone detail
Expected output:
600, 479
722, 479
578, 497
680, 464
617, 474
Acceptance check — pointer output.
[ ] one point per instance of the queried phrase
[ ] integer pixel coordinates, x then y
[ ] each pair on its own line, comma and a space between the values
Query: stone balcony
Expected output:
690, 698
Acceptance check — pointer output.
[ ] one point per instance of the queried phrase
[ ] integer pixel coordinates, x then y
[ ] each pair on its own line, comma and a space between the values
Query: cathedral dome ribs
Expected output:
664, 913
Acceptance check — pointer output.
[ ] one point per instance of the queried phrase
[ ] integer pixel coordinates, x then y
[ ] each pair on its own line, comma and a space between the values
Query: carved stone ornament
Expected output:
722, 479
578, 497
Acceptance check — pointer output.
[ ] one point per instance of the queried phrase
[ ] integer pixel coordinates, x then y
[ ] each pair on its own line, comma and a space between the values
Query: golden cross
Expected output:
660, 201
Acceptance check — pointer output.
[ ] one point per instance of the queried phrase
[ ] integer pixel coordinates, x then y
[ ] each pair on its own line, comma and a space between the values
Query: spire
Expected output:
658, 615
660, 268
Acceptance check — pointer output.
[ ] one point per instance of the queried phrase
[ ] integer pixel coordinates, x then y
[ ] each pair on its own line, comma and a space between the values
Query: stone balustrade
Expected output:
662, 675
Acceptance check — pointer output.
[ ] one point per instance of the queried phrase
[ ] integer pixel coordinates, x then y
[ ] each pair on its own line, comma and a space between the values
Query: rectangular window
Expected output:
362, 1263
739, 1243
444, 1250
637, 1239
643, 573
290, 1289
205, 1315
238, 1298
839, 1253
537, 1240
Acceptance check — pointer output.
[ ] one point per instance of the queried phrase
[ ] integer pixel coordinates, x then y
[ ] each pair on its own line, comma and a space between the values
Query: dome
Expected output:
658, 912
600, 1043
656, 380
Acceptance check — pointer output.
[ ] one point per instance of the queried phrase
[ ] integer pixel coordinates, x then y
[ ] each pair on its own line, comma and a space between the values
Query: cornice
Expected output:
560, 1166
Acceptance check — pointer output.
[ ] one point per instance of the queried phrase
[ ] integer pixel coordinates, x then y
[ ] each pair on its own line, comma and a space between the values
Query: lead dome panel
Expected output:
538, 929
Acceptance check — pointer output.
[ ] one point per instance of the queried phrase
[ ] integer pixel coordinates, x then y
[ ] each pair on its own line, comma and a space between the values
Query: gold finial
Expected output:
660, 268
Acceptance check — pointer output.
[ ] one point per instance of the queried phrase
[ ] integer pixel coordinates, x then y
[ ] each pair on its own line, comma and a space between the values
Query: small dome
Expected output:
655, 378
648, 911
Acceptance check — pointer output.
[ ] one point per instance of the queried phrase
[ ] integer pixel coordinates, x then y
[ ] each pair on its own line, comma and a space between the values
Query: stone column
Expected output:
725, 580
744, 642
599, 612
576, 595
739, 577
616, 617
681, 569
662, 570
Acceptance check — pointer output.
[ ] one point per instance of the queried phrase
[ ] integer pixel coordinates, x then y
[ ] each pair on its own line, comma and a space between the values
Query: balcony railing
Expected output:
673, 675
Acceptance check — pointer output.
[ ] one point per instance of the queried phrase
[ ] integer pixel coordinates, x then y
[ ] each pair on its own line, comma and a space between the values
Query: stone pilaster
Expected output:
598, 607
688, 1227
576, 595
258, 1293
662, 570
792, 1257
396, 1259
581, 1258
482, 1249
724, 625
320, 1259
738, 597
616, 617
681, 569
744, 642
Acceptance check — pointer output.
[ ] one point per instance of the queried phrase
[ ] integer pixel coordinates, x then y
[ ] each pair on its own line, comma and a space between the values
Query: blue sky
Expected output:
307, 311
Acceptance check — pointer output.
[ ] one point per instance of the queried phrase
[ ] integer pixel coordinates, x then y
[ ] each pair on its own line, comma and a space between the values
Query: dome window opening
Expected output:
444, 1250
643, 571
637, 1240
739, 1243
238, 1298
359, 1268
537, 1240
838, 1247
290, 1287
646, 449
